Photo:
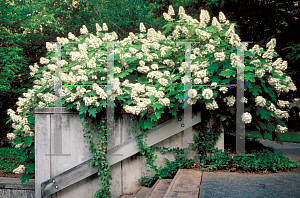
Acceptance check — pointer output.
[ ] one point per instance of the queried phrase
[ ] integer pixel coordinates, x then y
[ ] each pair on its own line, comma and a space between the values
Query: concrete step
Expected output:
126, 196
141, 192
159, 189
186, 183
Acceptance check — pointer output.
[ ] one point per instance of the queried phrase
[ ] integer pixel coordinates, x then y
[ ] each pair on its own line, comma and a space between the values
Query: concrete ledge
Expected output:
12, 187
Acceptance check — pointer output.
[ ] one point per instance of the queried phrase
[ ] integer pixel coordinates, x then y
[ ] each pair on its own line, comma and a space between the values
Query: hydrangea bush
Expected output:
149, 71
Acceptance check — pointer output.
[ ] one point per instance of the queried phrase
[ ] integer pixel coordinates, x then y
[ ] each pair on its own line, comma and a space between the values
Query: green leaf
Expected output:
130, 60
158, 115
17, 140
262, 125
28, 140
255, 90
212, 68
146, 124
83, 110
152, 98
227, 65
143, 79
157, 105
223, 118
92, 93
223, 32
24, 178
248, 53
153, 118
215, 79
271, 127
264, 114
30, 119
212, 29
225, 81
248, 86
8, 121
250, 77
280, 122
69, 106
93, 112
249, 68
228, 73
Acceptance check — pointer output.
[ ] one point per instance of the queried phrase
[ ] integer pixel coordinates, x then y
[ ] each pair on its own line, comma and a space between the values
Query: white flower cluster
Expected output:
216, 23
256, 50
44, 60
49, 98
164, 82
260, 73
142, 27
255, 61
230, 100
281, 114
234, 59
211, 106
19, 170
219, 56
72, 37
281, 129
223, 89
279, 64
100, 91
164, 101
247, 117
192, 93
89, 100
235, 40
210, 47
244, 100
271, 107
167, 17
207, 93
33, 69
203, 35
269, 53
202, 73
197, 81
230, 32
11, 136
94, 42
63, 41
283, 104
222, 17
204, 18
260, 101
84, 30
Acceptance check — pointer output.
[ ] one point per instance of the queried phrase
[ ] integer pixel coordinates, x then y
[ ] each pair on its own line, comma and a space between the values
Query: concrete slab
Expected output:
141, 192
185, 184
283, 184
159, 189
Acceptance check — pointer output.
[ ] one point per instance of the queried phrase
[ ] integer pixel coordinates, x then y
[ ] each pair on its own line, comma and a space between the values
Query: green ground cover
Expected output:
293, 136
11, 158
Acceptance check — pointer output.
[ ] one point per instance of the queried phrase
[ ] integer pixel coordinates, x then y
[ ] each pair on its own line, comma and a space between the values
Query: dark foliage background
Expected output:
23, 42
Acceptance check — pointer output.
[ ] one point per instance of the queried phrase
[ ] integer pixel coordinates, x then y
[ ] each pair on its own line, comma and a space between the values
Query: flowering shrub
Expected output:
148, 74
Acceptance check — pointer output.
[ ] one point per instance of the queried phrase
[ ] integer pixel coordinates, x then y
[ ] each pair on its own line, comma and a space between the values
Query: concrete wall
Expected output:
12, 187
48, 121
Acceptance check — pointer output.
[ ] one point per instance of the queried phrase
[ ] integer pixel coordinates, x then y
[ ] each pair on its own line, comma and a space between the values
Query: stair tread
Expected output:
159, 189
186, 183
141, 192
126, 196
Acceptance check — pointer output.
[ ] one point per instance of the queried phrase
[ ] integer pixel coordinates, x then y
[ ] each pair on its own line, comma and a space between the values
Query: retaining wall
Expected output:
124, 174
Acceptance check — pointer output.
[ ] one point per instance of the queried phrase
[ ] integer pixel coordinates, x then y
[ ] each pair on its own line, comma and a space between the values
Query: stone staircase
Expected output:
186, 183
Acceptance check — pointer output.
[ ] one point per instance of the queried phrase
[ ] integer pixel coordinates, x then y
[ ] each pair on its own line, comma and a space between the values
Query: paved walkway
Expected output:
285, 184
